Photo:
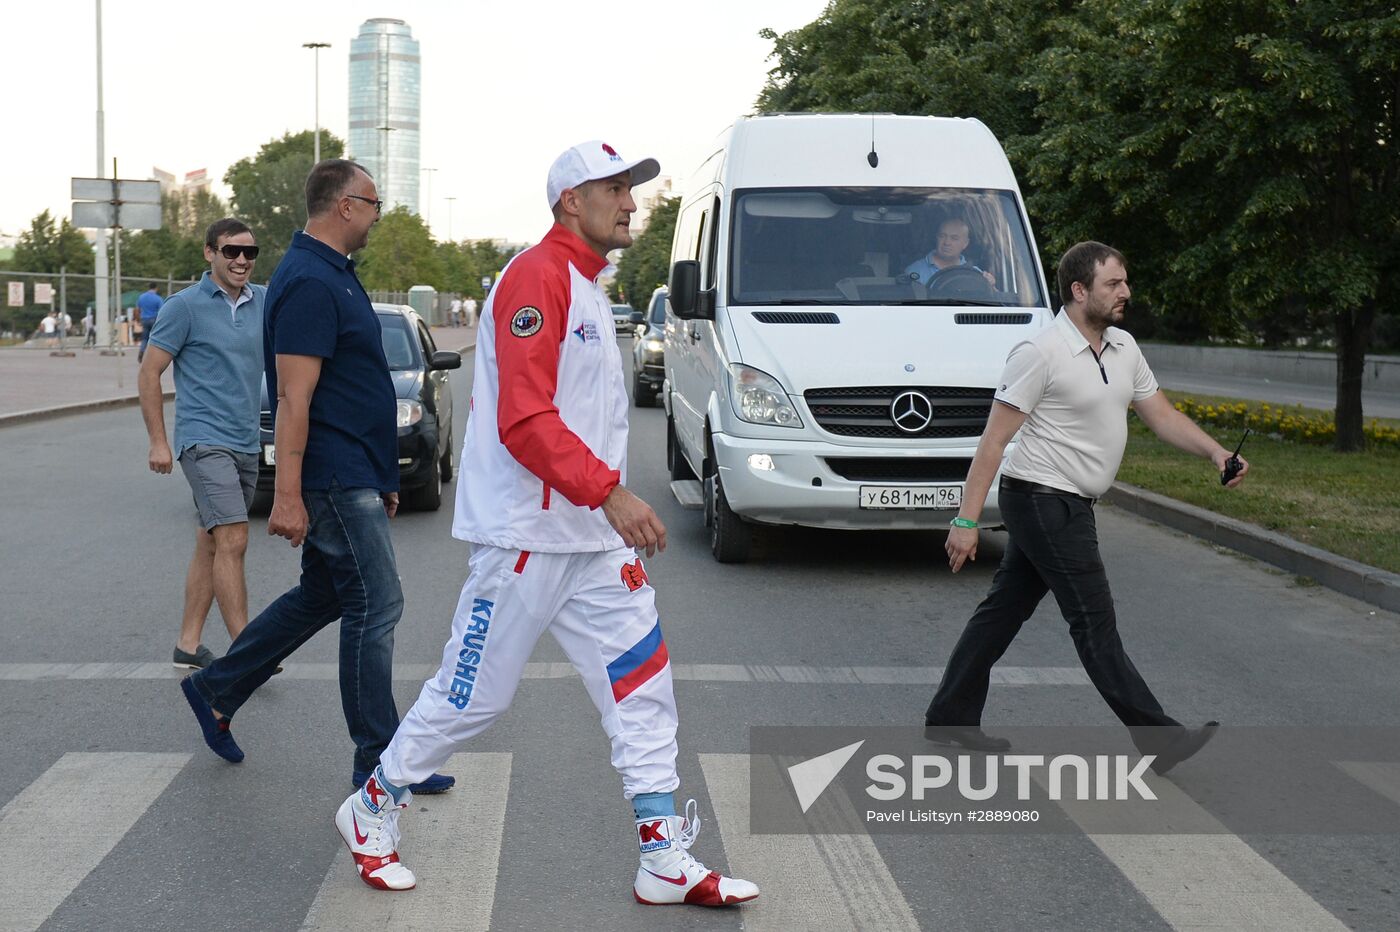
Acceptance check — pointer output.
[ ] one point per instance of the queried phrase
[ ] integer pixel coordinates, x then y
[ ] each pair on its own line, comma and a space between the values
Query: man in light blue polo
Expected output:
954, 236
148, 305
213, 332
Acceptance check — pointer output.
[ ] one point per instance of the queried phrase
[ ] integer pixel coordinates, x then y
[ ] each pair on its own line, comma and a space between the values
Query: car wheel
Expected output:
445, 464
429, 496
731, 536
675, 460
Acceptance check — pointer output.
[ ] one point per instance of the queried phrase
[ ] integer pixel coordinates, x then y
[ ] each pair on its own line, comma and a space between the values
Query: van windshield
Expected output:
929, 246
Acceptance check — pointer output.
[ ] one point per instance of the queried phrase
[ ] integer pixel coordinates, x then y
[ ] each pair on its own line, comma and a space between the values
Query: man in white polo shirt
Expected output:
1067, 390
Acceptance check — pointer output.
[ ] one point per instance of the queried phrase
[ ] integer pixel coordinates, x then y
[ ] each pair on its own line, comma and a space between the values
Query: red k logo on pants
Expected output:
633, 575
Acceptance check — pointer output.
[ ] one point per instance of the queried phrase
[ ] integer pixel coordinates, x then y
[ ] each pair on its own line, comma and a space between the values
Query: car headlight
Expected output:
759, 399
410, 413
653, 344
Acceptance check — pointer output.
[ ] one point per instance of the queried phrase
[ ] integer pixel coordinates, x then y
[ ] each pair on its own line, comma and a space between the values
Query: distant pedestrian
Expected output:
89, 329
49, 325
65, 324
454, 312
1067, 390
469, 311
212, 332
149, 304
335, 412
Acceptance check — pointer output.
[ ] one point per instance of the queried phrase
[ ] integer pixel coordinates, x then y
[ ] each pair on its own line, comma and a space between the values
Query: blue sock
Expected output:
654, 805
394, 790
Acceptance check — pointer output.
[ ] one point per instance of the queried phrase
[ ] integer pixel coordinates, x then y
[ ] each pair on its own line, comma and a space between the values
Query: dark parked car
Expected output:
419, 370
622, 318
649, 352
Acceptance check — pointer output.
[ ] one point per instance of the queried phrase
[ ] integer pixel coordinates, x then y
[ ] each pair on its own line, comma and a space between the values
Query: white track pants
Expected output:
602, 611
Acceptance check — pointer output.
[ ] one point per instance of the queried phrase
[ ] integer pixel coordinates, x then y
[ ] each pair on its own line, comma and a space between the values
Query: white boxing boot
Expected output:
669, 875
368, 821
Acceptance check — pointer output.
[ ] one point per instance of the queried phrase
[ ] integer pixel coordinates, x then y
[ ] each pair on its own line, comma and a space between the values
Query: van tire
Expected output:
731, 537
675, 459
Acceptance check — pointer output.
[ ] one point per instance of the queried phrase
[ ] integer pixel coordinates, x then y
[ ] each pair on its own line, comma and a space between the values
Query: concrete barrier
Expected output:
1382, 373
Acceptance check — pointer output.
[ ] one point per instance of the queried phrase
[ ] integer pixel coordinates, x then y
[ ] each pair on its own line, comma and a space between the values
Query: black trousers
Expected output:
1054, 547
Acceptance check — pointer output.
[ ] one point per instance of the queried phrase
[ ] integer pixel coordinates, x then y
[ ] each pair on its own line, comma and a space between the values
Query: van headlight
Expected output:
759, 399
410, 413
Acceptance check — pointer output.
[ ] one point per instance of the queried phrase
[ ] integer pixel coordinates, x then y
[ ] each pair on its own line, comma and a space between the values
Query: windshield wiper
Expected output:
815, 301
956, 302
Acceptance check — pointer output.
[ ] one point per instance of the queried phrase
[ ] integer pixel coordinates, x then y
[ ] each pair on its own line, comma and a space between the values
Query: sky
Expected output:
506, 88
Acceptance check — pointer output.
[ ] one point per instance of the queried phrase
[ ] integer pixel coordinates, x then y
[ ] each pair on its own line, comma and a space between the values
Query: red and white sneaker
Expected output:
669, 874
368, 821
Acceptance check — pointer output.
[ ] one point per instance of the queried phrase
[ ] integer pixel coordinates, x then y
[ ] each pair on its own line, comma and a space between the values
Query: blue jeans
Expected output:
347, 572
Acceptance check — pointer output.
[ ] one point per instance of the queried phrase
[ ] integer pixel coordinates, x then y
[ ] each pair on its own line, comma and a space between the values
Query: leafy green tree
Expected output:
1259, 138
400, 254
48, 247
646, 264
269, 191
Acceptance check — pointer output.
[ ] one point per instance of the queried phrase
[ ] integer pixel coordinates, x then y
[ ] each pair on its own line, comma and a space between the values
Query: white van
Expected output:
845, 290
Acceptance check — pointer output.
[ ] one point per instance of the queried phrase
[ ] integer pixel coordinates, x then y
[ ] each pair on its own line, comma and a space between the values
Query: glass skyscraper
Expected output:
385, 94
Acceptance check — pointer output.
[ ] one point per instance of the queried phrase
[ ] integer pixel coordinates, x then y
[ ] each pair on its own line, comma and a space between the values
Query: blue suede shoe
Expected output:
216, 732
437, 783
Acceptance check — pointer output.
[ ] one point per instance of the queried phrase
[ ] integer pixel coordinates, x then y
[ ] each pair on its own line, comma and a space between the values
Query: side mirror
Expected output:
683, 288
445, 359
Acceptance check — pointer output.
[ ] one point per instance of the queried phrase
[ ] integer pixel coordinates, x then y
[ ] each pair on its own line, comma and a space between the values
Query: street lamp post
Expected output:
428, 214
449, 218
316, 51
101, 296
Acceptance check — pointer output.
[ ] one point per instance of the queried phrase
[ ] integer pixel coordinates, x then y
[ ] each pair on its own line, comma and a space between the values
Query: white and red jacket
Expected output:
546, 440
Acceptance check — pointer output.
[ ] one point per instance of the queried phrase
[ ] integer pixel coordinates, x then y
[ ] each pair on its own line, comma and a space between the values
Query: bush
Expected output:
1282, 423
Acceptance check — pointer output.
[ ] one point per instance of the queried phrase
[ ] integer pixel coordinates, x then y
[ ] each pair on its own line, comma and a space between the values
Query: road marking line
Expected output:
837, 881
454, 847
1199, 876
1381, 776
685, 672
64, 823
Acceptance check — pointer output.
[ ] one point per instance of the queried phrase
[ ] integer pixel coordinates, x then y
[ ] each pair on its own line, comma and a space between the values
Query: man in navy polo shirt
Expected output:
335, 417
212, 332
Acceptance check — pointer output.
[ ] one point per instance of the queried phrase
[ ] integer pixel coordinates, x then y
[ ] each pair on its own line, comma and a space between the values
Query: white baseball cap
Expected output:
590, 161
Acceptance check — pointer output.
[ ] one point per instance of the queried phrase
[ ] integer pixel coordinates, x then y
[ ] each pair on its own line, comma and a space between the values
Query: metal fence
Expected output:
72, 295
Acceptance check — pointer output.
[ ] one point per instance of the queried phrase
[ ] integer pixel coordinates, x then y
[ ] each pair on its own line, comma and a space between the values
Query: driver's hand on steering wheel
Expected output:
991, 279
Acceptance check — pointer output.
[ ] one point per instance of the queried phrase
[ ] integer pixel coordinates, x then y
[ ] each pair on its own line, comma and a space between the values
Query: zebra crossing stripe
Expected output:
456, 878
1381, 776
1198, 876
68, 820
681, 672
836, 881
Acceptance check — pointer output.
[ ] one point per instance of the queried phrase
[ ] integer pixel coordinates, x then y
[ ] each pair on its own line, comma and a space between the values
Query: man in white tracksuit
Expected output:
554, 531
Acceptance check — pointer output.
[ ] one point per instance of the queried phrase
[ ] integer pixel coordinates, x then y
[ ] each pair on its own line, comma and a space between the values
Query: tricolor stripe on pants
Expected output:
640, 663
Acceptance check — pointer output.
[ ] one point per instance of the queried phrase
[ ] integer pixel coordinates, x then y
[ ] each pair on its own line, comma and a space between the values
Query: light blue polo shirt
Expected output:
218, 348
925, 271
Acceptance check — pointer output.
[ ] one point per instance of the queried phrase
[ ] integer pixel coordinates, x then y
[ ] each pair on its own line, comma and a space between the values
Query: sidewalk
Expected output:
35, 385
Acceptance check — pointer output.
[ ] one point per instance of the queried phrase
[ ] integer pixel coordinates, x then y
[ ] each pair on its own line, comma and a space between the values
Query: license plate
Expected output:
911, 497
269, 454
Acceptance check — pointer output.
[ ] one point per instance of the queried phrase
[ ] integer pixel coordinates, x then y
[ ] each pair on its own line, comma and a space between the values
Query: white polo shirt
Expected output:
1076, 406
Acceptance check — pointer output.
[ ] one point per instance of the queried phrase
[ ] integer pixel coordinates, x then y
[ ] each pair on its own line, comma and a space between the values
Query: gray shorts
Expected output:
223, 482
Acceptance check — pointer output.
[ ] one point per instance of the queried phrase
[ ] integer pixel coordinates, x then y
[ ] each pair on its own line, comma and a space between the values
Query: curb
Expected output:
1368, 583
81, 407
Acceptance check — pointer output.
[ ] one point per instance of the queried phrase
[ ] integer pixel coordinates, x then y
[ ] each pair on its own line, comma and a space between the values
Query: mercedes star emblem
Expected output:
911, 412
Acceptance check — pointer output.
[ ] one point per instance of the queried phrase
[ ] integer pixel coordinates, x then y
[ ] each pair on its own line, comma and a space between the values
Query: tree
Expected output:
1260, 136
646, 264
269, 191
400, 254
48, 247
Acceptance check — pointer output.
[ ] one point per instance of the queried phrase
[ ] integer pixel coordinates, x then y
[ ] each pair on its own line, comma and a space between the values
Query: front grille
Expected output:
265, 420
899, 469
864, 411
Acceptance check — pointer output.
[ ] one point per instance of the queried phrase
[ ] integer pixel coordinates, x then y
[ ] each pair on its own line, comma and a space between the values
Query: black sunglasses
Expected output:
378, 205
231, 251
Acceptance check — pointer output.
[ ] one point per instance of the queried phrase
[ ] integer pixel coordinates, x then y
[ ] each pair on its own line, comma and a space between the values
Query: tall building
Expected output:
385, 94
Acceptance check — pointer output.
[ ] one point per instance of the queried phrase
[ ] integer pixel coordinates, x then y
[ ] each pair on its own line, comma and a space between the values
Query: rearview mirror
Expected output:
687, 300
445, 359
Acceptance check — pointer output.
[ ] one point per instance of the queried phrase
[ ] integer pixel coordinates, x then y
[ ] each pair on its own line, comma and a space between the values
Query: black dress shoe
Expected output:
1183, 747
965, 736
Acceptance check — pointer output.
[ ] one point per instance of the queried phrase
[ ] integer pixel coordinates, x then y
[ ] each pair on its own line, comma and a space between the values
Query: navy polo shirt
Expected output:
317, 307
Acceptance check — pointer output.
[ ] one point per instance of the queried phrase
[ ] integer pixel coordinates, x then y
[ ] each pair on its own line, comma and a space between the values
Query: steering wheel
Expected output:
960, 282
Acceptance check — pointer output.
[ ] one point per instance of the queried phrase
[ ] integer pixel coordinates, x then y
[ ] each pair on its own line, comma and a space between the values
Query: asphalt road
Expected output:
116, 817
